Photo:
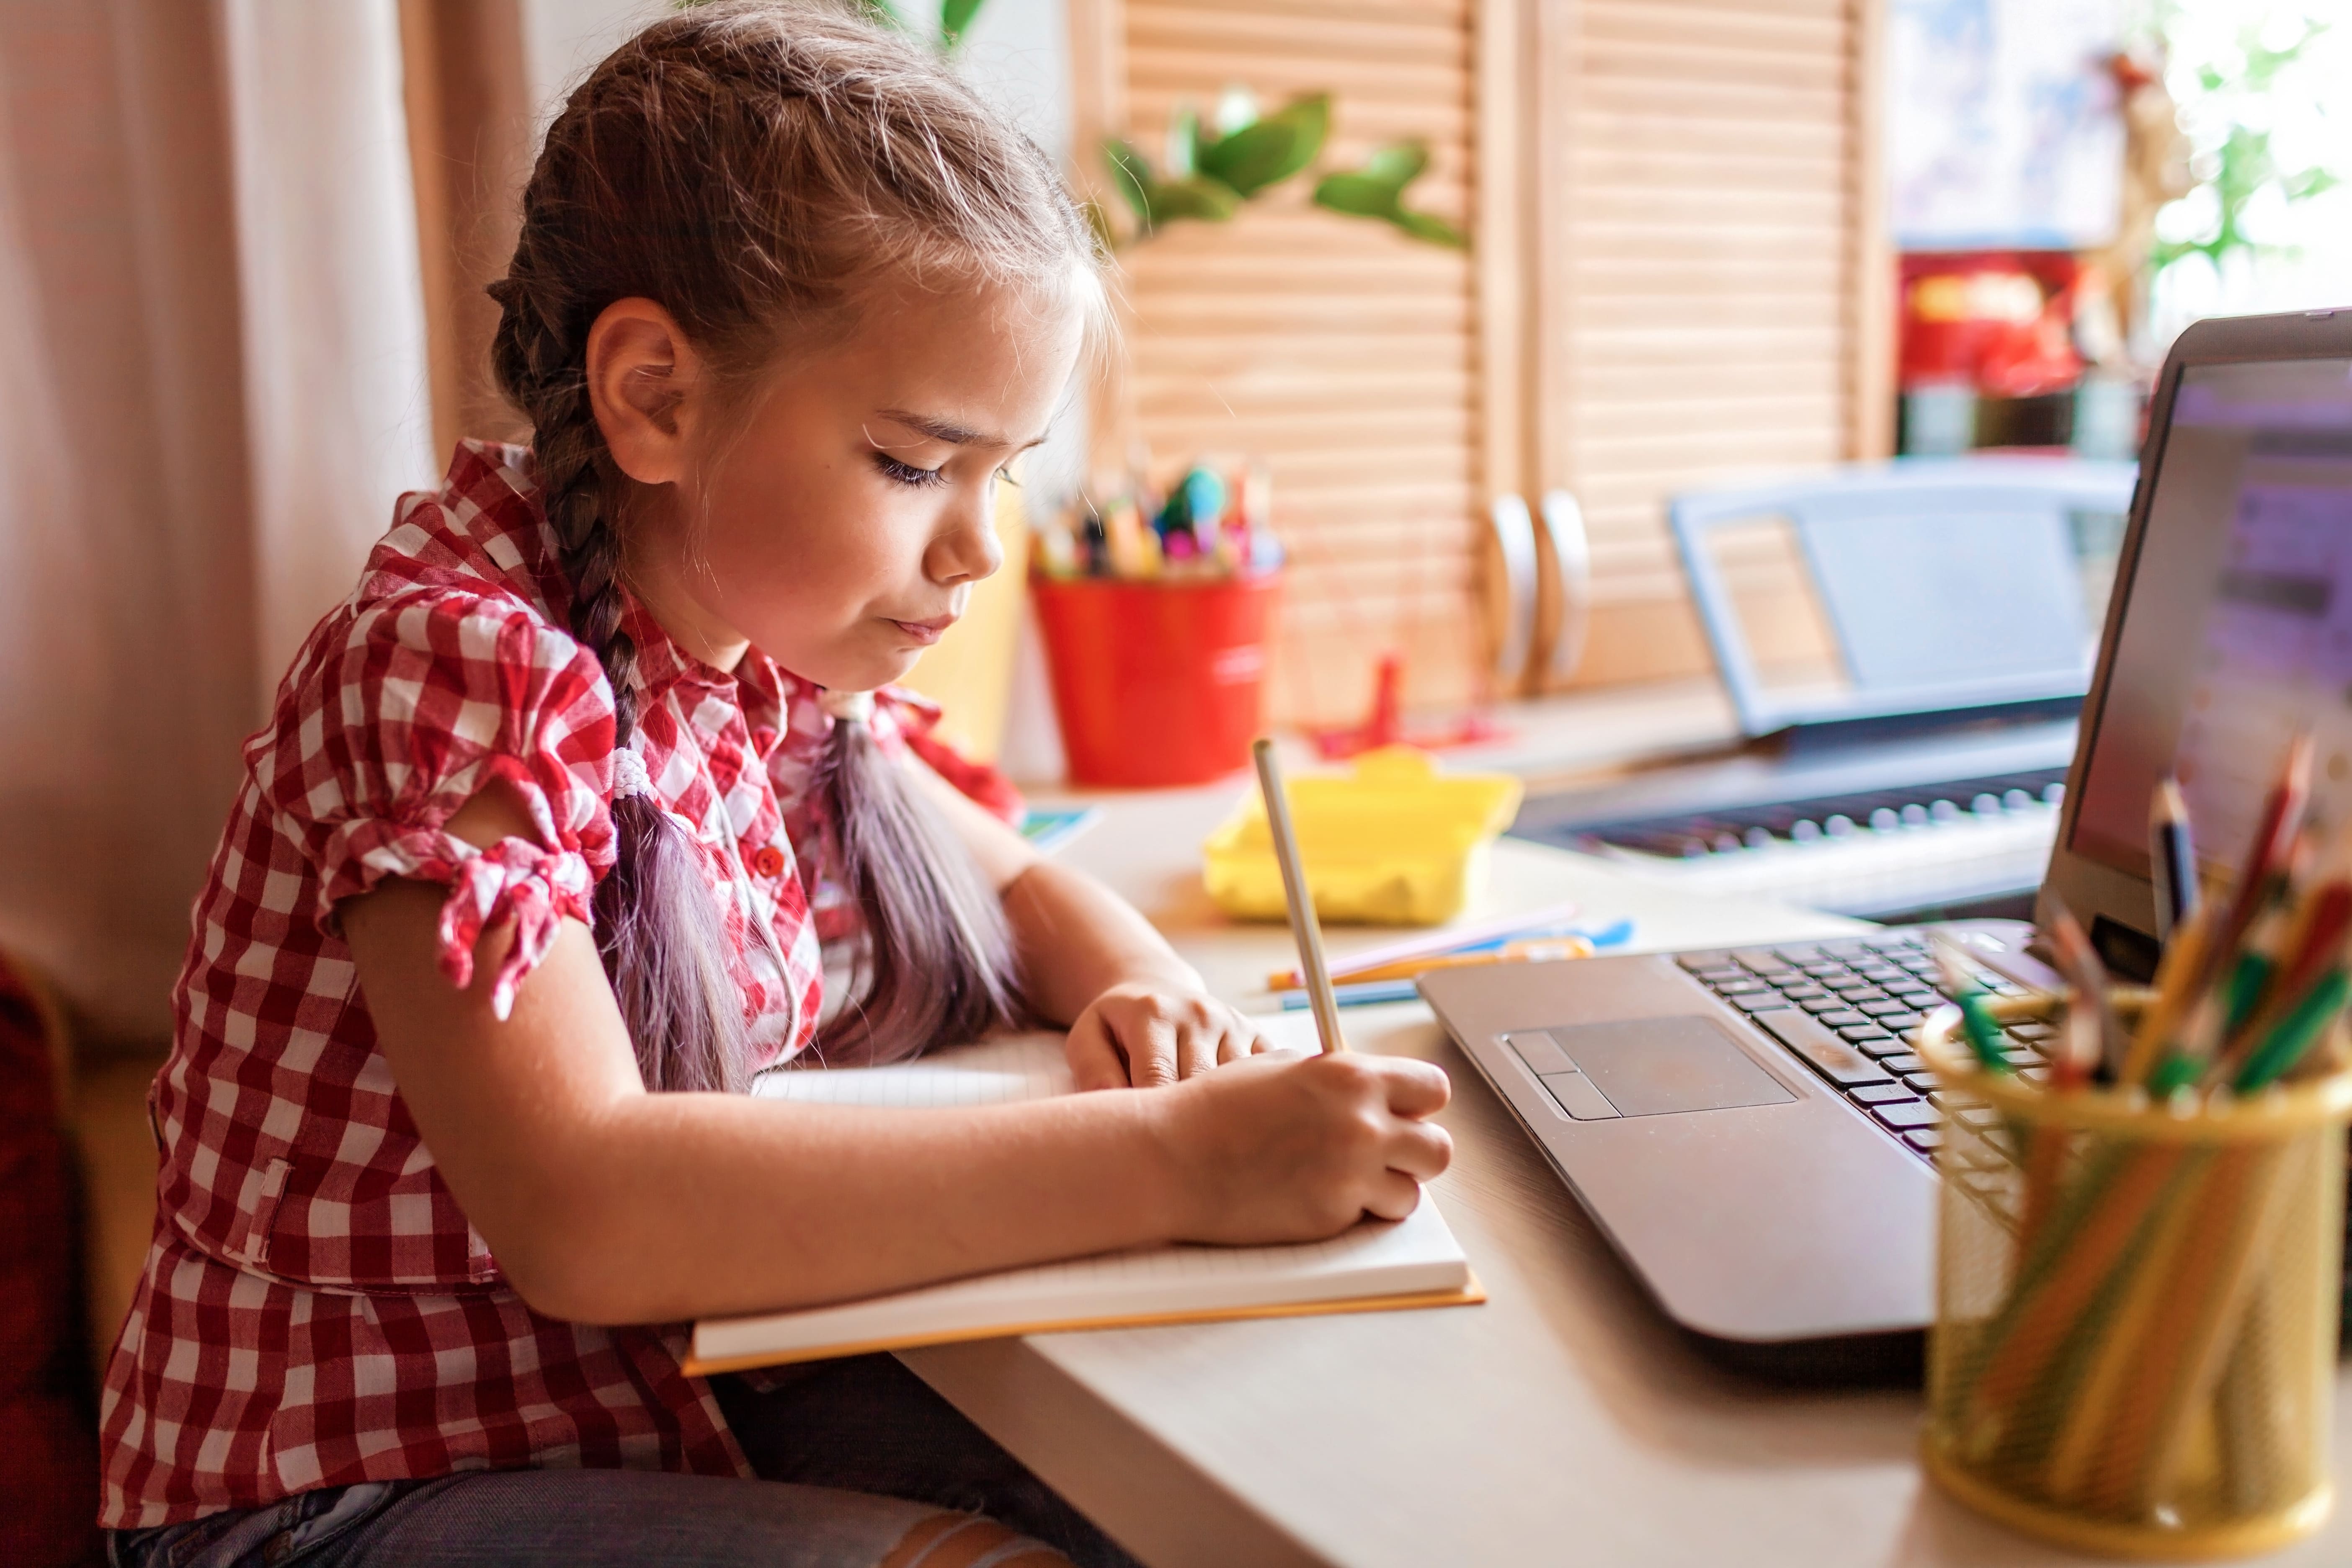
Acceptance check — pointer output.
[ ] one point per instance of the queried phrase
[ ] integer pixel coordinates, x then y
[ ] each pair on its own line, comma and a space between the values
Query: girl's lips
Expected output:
926, 632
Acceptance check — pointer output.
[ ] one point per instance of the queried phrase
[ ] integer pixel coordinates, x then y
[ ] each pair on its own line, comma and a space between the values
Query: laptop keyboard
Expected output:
1848, 1008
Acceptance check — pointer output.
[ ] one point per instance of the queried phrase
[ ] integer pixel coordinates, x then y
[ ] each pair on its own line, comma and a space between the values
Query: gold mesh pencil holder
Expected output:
2135, 1308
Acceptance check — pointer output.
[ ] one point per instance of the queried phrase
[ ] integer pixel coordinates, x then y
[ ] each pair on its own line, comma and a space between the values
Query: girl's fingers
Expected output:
1393, 1195
1423, 1149
1094, 1061
1150, 1041
1198, 1048
1151, 1044
1417, 1089
1240, 1041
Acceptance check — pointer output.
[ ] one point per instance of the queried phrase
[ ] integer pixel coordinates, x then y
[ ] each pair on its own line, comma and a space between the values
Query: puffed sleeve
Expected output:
398, 722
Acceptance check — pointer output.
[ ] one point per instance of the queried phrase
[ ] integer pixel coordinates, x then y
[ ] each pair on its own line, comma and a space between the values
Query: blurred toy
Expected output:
1392, 843
1214, 521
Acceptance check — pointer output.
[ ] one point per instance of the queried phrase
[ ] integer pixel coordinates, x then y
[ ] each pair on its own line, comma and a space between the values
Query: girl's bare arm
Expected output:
1136, 1013
603, 1203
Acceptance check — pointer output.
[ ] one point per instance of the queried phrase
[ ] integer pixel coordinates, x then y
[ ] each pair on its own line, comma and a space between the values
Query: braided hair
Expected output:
750, 166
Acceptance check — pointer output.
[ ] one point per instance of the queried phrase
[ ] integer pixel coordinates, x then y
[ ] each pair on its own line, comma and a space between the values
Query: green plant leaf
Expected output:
1236, 107
1434, 229
1156, 201
2310, 183
1195, 198
955, 20
1358, 195
1398, 165
1184, 142
1271, 149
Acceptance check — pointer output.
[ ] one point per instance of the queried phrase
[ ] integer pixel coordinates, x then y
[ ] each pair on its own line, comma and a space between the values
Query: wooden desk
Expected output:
1563, 1422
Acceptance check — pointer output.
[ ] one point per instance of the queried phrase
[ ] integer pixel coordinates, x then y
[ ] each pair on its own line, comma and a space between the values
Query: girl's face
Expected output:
839, 521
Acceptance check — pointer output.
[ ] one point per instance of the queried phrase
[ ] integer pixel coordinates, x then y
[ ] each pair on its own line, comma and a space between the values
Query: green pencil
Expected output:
1984, 1032
2294, 1034
1976, 1021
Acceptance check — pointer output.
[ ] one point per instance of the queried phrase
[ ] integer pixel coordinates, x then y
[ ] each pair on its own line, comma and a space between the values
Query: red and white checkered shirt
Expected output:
315, 1308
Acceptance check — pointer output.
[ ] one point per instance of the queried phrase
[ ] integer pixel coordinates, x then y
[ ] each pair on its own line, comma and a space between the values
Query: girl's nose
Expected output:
967, 549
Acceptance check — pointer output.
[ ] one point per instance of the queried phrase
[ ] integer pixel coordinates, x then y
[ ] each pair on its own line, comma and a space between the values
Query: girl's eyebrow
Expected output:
949, 431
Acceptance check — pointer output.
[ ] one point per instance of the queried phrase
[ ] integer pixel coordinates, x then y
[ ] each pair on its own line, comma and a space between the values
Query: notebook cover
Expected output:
1470, 1295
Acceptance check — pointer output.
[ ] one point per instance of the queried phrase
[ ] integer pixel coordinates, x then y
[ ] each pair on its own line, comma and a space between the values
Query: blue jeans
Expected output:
862, 1465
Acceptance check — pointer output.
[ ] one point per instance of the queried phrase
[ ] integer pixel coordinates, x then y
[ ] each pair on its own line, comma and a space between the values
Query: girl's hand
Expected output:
1150, 1035
1291, 1149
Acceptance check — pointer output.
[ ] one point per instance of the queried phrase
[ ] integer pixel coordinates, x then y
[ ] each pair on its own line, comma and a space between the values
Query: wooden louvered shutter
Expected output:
1339, 351
1712, 278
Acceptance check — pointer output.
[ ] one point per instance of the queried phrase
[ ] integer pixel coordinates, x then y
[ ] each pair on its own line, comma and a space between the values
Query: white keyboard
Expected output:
1856, 868
1876, 854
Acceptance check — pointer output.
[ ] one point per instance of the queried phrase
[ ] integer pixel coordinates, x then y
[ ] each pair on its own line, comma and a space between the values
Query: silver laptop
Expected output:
1750, 1128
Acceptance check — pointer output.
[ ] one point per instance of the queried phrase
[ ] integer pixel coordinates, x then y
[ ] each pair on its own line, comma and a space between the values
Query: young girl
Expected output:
527, 876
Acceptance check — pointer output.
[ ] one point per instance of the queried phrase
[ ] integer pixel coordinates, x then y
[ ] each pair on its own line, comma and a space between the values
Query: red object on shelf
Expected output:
1159, 682
1998, 320
1384, 726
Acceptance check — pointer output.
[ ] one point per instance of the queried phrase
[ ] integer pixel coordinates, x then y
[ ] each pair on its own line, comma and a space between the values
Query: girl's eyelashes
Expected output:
906, 473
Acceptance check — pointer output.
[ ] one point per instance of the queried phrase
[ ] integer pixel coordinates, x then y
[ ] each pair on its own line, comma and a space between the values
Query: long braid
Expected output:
752, 166
656, 928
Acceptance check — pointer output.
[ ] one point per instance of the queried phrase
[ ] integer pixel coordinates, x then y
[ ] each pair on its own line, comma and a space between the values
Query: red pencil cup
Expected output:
1156, 682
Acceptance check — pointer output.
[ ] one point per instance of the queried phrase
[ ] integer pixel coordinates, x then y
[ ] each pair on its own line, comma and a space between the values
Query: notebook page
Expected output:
1415, 1256
992, 1072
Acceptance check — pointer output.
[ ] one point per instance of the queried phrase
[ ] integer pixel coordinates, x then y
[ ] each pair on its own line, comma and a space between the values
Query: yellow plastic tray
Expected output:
1396, 843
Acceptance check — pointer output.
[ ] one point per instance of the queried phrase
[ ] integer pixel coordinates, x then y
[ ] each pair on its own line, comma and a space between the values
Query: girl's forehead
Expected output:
963, 360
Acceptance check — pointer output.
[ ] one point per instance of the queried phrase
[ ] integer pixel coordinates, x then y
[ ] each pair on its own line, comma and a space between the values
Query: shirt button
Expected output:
768, 860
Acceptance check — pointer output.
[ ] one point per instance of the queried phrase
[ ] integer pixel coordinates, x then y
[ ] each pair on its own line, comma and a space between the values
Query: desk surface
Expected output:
1564, 1421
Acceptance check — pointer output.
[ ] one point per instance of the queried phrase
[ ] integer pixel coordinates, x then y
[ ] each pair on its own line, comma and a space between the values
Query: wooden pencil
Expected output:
2247, 1211
2172, 854
2076, 1259
1305, 929
2267, 857
2082, 1466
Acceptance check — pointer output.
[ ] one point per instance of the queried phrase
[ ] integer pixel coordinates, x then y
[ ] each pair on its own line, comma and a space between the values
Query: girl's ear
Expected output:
647, 385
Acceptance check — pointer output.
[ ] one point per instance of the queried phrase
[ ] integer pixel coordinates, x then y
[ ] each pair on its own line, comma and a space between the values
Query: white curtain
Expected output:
211, 387
337, 392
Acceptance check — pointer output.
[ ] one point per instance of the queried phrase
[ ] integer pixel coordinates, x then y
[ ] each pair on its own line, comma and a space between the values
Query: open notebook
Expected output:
1413, 1263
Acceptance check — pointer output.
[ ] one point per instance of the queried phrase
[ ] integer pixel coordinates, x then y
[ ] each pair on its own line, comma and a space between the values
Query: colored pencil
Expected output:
2268, 856
2295, 1034
2176, 994
1983, 1030
1305, 927
1370, 994
2172, 856
2093, 1037
1555, 919
1538, 950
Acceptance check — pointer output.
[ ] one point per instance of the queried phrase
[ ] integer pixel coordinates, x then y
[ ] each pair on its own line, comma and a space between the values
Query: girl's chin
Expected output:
863, 670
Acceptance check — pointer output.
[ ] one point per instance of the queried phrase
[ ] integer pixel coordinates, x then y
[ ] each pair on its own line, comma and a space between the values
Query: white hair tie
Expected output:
849, 707
629, 776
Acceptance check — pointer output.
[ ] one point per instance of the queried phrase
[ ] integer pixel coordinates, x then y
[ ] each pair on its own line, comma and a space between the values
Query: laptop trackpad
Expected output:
1648, 1067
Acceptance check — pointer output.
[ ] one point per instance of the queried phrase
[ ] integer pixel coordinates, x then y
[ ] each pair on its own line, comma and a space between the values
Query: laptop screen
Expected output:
2237, 630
